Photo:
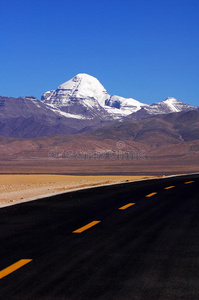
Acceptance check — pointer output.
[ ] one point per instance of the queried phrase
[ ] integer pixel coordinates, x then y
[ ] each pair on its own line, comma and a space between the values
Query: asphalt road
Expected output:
136, 241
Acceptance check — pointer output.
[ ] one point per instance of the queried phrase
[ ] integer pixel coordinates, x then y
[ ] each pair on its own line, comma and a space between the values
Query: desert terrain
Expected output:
18, 187
157, 146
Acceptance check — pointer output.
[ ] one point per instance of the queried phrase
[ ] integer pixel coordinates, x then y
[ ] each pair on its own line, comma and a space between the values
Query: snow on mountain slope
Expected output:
28, 117
124, 105
85, 86
80, 87
170, 105
79, 105
84, 94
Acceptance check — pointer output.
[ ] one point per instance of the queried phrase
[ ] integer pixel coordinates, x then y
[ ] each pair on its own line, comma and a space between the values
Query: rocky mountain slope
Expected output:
79, 105
167, 136
29, 117
84, 96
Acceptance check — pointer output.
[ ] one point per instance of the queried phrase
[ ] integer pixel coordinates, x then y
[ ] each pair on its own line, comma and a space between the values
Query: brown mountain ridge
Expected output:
175, 134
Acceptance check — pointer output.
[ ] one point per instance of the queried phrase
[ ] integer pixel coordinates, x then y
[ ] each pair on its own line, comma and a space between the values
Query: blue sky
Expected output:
144, 49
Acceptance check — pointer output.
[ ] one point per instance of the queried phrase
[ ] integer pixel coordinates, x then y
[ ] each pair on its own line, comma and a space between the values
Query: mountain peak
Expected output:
87, 91
81, 78
172, 104
171, 99
81, 87
85, 76
85, 96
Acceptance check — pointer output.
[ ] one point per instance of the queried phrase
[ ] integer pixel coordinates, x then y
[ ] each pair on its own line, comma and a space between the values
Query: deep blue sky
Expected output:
144, 49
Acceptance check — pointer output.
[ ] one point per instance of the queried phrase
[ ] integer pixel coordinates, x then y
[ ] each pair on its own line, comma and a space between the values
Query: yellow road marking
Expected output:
14, 267
169, 187
189, 182
152, 194
86, 227
126, 206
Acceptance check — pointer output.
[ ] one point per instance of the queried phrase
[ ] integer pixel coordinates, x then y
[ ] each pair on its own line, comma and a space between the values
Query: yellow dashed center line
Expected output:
126, 206
14, 267
152, 194
169, 187
23, 262
80, 230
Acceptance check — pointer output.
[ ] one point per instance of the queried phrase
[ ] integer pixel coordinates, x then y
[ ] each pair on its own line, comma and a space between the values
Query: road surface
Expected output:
132, 241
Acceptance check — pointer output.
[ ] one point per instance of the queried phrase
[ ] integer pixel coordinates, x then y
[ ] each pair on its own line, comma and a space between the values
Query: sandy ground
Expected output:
17, 187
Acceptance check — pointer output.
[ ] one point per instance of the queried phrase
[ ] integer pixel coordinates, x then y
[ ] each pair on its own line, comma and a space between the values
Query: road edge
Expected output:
84, 188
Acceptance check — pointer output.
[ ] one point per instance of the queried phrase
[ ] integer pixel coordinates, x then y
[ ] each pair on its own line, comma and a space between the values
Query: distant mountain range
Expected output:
169, 136
79, 105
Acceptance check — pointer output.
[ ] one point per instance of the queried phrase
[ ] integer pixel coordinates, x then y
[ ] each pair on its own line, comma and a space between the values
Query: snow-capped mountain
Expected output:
123, 105
80, 87
78, 105
167, 106
85, 95
170, 105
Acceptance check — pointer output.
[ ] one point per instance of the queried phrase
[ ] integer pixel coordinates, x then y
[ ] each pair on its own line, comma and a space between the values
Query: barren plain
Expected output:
17, 187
